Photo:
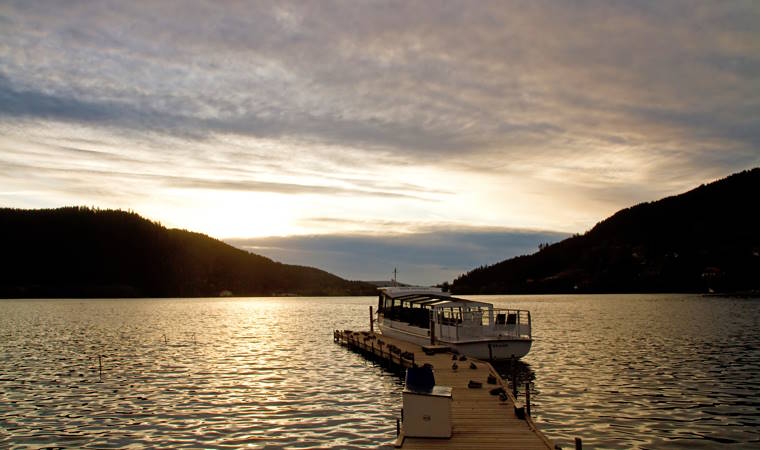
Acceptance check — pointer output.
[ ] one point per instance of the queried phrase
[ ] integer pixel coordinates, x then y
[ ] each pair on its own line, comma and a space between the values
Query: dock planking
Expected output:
479, 420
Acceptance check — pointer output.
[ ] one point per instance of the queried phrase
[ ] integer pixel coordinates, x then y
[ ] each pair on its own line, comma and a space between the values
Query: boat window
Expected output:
448, 317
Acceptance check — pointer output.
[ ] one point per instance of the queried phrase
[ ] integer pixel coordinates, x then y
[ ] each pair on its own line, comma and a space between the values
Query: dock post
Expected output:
371, 322
514, 377
398, 427
527, 398
578, 444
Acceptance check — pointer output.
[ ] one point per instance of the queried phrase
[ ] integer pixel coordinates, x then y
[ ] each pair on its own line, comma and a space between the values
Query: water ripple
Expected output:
635, 371
210, 373
645, 371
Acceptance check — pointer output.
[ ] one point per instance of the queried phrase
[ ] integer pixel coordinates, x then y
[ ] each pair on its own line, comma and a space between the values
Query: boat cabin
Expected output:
449, 317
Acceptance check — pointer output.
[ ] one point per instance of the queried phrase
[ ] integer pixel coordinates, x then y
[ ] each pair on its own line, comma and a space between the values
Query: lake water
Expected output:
632, 371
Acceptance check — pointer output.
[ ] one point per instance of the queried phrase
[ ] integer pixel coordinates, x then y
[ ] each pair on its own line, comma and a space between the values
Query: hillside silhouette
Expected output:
705, 240
83, 252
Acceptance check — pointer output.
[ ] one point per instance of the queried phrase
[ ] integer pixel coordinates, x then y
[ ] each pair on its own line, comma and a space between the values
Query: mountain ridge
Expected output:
86, 252
704, 240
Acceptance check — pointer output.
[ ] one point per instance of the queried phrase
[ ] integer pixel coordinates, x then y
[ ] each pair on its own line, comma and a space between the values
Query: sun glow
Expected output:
231, 214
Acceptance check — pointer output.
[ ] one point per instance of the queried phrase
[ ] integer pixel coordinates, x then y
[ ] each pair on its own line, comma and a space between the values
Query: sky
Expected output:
359, 136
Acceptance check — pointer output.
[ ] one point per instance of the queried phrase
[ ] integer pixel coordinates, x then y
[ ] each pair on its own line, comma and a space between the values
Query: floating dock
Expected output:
480, 419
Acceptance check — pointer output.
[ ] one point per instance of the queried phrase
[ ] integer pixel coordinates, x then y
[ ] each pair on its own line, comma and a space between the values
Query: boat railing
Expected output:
511, 322
474, 324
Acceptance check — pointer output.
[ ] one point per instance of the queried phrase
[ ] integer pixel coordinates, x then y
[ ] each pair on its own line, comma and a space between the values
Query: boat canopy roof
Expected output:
431, 297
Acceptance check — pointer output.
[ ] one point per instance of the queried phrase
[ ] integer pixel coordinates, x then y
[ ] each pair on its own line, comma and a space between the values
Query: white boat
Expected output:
429, 316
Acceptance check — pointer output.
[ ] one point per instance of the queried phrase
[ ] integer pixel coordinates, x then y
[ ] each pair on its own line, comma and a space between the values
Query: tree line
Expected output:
87, 252
705, 240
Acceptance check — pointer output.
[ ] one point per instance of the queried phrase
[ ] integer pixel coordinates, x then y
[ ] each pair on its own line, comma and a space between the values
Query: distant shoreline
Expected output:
748, 295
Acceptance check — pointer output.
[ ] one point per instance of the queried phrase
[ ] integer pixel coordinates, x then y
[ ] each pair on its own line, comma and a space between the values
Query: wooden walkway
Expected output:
479, 420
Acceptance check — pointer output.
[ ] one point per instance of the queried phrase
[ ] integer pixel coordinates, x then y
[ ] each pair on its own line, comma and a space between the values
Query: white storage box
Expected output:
427, 414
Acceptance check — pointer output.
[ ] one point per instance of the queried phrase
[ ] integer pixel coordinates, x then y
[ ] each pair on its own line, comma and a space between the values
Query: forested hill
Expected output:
707, 239
81, 252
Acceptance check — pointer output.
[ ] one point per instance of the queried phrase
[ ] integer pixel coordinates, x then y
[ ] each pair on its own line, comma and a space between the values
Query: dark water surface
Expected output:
646, 371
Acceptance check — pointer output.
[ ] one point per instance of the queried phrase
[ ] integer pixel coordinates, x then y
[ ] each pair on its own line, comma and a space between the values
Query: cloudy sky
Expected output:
358, 136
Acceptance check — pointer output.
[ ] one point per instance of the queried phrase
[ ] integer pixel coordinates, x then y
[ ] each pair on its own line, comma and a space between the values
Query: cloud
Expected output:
280, 188
402, 77
23, 170
37, 104
426, 257
519, 113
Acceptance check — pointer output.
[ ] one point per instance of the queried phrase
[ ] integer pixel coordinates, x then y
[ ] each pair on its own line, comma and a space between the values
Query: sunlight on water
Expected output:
646, 371
211, 373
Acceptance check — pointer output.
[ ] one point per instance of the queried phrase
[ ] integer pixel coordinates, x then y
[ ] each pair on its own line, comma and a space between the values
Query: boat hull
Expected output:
404, 335
494, 350
486, 349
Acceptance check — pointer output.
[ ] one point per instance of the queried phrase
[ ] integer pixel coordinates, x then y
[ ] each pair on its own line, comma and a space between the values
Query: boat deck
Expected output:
479, 420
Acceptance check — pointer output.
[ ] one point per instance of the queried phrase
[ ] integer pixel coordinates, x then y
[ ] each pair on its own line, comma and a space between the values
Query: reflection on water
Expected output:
231, 373
517, 371
618, 371
648, 371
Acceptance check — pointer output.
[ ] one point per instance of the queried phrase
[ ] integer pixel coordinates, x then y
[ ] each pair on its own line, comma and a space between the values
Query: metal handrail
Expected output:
514, 322
503, 321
